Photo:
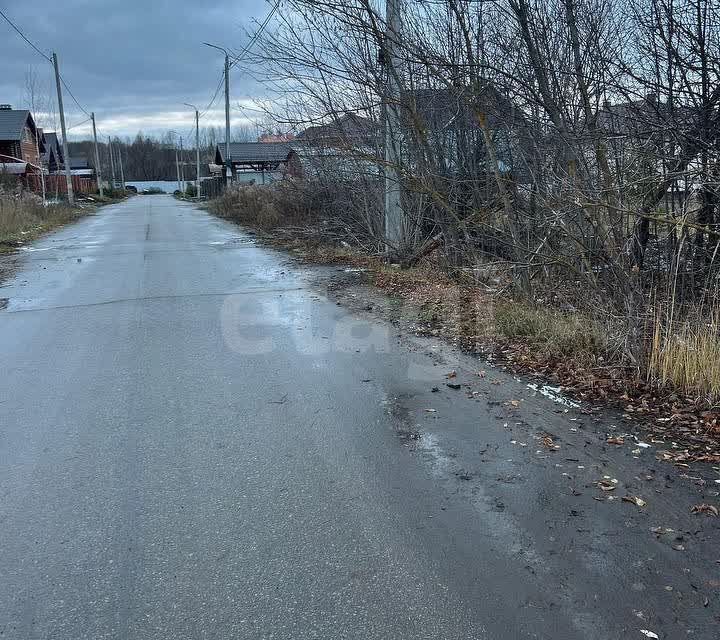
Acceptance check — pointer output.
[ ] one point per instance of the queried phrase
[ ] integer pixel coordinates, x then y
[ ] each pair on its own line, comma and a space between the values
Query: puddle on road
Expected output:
232, 242
554, 394
429, 445
415, 438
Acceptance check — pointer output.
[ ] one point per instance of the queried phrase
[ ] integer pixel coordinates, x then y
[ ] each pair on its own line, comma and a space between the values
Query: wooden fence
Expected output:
212, 187
56, 184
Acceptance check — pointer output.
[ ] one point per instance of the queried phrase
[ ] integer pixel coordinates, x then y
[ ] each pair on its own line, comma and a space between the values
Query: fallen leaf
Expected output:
452, 374
481, 374
709, 509
659, 531
605, 485
649, 634
615, 441
550, 444
635, 500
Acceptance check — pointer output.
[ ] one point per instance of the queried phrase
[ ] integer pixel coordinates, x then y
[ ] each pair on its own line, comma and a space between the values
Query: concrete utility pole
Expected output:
97, 158
395, 232
228, 162
197, 148
112, 163
122, 173
177, 166
182, 168
68, 174
197, 153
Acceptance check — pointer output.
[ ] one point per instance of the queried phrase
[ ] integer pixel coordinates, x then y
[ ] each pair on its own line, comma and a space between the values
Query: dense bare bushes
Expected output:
572, 144
332, 206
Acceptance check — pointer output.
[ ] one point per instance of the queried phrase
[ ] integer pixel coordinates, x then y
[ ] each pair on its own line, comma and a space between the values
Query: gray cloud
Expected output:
133, 62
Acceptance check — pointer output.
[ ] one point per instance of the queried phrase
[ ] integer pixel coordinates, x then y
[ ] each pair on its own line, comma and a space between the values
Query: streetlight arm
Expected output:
214, 46
228, 161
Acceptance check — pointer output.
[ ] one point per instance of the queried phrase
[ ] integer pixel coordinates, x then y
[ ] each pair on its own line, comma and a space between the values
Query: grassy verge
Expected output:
23, 217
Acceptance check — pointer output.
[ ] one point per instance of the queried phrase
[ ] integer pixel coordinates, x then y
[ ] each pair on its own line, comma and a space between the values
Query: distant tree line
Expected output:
154, 158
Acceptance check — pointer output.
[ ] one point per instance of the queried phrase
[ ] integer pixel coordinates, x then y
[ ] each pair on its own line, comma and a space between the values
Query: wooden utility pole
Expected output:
68, 174
97, 158
112, 163
395, 231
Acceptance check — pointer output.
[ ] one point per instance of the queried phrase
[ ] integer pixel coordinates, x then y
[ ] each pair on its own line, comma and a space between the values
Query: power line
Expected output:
257, 34
237, 58
29, 42
64, 84
79, 124
215, 95
23, 36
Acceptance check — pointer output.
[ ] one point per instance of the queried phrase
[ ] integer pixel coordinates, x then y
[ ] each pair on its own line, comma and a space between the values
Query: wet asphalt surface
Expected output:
197, 442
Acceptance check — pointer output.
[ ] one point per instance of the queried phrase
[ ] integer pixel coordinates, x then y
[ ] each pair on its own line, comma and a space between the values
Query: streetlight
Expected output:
197, 148
228, 164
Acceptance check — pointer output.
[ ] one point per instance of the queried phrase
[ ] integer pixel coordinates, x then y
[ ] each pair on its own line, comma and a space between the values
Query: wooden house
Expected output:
20, 140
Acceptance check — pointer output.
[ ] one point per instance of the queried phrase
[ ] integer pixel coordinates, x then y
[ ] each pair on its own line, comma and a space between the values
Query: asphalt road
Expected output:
195, 442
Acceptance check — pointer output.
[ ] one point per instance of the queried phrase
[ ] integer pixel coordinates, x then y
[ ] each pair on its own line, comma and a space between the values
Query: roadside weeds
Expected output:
24, 218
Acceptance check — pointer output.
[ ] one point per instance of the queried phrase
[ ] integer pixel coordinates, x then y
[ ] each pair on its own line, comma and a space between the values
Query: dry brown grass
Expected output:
686, 355
24, 217
551, 333
262, 207
474, 315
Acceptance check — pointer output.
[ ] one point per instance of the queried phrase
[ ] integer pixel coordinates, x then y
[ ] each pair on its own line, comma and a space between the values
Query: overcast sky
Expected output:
133, 62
